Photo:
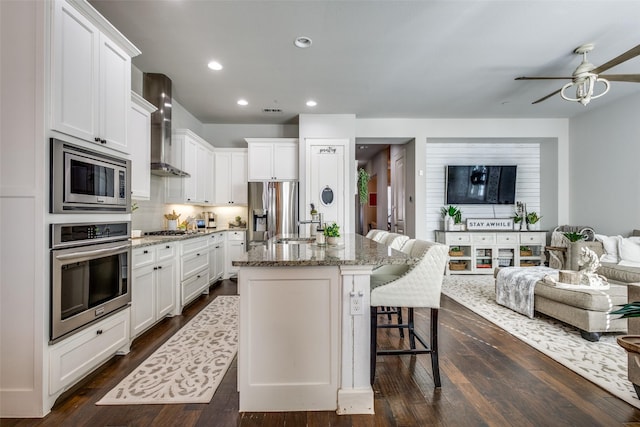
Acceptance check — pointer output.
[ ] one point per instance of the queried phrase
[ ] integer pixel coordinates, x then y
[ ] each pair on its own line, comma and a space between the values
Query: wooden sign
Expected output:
490, 224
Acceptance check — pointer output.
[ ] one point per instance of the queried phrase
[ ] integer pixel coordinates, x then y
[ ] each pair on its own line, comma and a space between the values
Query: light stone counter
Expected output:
155, 240
291, 251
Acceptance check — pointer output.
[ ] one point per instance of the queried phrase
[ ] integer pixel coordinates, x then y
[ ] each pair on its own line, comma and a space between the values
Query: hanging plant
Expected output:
363, 186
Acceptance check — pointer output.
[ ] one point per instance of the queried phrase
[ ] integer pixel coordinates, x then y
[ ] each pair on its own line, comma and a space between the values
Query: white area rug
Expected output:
189, 367
603, 363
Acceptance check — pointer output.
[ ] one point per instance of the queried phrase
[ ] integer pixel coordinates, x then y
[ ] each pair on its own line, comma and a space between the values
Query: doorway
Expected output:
386, 161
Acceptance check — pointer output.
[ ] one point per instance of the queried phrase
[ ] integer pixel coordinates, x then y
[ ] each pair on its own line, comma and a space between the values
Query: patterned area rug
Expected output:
603, 363
189, 367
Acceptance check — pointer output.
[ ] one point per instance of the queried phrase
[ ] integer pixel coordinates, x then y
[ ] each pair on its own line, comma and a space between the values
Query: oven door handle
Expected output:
85, 254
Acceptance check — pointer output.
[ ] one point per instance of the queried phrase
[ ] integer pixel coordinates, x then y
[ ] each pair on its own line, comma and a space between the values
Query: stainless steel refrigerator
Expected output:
273, 209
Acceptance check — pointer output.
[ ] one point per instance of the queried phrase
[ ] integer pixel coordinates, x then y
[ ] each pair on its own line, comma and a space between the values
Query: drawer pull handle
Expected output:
145, 252
155, 268
159, 267
198, 276
167, 247
99, 332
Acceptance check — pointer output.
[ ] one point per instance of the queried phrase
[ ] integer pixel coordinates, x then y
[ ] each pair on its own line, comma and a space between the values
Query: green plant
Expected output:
517, 218
313, 209
134, 206
332, 230
532, 218
449, 210
363, 186
572, 236
525, 248
628, 310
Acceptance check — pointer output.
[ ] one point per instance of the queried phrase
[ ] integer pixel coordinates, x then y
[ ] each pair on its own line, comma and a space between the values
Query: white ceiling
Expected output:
413, 59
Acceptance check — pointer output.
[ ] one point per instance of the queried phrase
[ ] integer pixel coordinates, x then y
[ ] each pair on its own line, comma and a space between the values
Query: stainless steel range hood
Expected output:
157, 90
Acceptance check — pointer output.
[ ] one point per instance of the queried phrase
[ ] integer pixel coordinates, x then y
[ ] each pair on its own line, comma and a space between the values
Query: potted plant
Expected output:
525, 251
572, 236
532, 220
363, 186
452, 216
332, 233
517, 220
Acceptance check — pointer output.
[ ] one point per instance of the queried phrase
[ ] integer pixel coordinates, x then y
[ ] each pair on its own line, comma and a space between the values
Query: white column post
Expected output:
355, 395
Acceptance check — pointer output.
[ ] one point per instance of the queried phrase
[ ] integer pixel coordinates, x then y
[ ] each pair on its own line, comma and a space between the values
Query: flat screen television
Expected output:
480, 185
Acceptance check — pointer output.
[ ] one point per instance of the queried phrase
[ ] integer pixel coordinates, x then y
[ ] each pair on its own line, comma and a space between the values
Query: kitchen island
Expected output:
304, 324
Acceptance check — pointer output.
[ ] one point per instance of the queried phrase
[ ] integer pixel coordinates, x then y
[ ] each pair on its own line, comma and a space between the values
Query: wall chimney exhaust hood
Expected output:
157, 90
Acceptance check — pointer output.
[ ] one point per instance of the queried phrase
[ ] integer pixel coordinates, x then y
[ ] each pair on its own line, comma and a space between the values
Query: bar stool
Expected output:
420, 286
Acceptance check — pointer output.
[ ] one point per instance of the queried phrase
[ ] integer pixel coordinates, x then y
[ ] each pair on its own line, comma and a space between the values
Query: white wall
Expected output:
24, 275
423, 129
604, 162
233, 135
526, 156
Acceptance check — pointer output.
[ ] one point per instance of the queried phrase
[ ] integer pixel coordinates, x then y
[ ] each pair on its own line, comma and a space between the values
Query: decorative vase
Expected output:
333, 240
172, 224
450, 223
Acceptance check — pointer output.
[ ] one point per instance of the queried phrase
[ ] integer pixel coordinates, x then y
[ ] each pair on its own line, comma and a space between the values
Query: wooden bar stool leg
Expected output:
435, 366
374, 343
412, 335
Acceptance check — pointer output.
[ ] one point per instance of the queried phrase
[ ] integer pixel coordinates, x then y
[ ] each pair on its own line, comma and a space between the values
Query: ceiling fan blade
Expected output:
634, 78
547, 97
543, 78
631, 53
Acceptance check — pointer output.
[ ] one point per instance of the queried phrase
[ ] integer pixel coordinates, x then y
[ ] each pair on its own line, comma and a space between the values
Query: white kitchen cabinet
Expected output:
193, 155
153, 289
90, 80
216, 256
482, 251
235, 249
139, 139
204, 186
272, 159
230, 173
194, 269
74, 357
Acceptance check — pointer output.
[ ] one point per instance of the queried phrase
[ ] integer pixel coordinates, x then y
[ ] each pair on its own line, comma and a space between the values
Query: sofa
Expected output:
588, 309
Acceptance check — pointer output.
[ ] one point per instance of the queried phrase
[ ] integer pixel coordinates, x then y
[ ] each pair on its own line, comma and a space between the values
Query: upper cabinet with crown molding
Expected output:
272, 159
90, 76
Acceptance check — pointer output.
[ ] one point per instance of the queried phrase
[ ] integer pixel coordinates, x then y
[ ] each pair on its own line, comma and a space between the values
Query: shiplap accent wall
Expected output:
525, 155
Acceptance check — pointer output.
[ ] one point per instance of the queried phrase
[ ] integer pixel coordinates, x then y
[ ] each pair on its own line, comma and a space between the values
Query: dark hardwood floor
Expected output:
489, 378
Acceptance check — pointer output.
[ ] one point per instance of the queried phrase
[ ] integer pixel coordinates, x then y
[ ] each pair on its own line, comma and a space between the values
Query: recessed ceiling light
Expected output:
311, 103
215, 65
243, 102
303, 42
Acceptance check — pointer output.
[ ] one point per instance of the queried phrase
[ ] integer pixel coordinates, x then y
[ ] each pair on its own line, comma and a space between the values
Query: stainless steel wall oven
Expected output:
90, 274
84, 180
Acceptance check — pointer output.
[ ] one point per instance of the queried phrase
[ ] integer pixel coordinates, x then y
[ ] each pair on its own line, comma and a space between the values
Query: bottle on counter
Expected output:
320, 239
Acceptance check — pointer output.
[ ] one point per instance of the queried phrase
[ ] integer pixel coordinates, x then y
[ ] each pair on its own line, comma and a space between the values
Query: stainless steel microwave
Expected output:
84, 180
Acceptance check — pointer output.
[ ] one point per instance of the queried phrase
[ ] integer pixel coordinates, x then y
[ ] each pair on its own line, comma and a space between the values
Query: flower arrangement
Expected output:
532, 218
572, 236
452, 211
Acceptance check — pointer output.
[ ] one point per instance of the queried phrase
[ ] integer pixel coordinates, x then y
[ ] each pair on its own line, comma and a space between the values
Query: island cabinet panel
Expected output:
289, 359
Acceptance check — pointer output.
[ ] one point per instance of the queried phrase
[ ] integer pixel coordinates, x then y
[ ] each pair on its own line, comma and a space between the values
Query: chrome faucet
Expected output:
319, 221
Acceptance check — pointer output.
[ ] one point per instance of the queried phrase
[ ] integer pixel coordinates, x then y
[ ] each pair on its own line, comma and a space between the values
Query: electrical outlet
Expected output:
356, 304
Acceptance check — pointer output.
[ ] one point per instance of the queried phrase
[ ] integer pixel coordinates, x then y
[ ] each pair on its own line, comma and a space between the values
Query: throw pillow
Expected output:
610, 245
629, 250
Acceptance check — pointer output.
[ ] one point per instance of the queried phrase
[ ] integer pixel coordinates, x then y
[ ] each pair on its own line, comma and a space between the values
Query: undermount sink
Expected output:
296, 240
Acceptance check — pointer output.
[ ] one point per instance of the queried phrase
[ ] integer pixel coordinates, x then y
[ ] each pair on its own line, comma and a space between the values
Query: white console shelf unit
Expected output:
480, 252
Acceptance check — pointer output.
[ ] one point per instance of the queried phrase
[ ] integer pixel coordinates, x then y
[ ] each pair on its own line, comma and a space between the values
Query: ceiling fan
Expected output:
586, 76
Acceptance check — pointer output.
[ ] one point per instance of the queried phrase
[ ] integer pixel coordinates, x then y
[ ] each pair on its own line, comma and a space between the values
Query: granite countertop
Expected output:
155, 240
354, 250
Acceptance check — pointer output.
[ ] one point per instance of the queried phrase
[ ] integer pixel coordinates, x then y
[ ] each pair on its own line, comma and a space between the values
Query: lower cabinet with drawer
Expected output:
194, 269
235, 249
154, 283
73, 358
481, 252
